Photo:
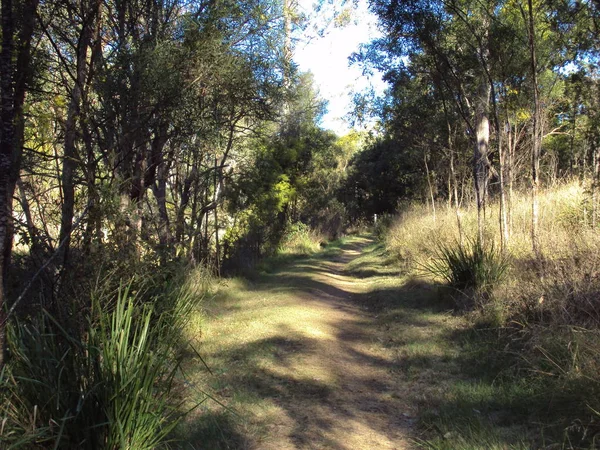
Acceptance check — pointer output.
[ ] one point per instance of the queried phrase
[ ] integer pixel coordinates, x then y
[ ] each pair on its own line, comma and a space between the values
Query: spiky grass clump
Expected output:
104, 386
472, 265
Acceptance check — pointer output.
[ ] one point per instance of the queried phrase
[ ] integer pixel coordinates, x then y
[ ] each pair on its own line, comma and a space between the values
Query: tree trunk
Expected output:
159, 189
536, 138
502, 216
509, 174
215, 199
13, 88
480, 157
456, 199
430, 187
70, 157
595, 184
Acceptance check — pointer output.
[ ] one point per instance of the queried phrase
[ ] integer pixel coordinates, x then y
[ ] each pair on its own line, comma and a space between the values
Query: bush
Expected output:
300, 239
105, 387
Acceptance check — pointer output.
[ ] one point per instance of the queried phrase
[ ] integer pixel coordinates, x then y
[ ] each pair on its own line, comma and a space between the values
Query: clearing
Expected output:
333, 351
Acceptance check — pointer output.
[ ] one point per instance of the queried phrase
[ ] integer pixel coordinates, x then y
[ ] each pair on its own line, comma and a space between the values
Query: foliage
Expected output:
108, 384
300, 239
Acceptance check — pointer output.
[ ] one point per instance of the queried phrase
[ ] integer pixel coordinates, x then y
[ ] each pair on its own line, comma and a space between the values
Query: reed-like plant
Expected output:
471, 265
104, 386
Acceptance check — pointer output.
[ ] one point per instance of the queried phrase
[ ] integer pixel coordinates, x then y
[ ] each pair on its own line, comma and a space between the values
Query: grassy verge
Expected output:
510, 373
458, 401
526, 358
453, 396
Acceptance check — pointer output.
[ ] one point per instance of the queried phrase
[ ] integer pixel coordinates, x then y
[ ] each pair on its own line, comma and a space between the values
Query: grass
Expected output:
106, 381
531, 349
471, 265
258, 337
515, 373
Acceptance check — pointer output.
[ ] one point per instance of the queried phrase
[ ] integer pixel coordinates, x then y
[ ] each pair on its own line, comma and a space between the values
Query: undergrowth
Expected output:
472, 265
102, 378
300, 239
537, 323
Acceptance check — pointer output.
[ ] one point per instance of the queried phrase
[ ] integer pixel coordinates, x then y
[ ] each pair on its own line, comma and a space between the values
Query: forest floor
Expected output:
333, 351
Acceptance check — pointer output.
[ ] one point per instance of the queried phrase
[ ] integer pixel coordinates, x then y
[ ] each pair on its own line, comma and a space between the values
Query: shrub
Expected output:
105, 387
300, 239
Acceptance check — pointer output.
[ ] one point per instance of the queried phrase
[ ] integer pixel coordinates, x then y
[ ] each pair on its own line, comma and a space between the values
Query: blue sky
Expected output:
327, 58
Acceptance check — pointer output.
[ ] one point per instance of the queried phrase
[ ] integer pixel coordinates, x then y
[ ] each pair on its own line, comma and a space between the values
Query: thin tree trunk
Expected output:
503, 216
160, 194
215, 198
595, 184
430, 187
480, 157
93, 219
453, 177
70, 157
6, 157
456, 199
13, 88
509, 173
36, 249
536, 138
183, 204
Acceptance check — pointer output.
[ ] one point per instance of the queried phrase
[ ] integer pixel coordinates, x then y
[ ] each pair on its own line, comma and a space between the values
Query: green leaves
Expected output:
105, 384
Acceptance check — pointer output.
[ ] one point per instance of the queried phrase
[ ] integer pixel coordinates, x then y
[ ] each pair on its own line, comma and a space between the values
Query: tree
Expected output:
17, 24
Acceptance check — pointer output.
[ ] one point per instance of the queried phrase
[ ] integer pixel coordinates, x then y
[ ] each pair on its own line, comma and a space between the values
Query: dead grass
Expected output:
539, 328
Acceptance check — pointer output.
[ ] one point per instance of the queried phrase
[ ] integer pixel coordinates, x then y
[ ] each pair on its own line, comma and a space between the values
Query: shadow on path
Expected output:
306, 342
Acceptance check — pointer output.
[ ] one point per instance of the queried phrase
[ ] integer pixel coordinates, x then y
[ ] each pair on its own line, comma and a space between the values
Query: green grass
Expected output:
424, 340
462, 382
471, 265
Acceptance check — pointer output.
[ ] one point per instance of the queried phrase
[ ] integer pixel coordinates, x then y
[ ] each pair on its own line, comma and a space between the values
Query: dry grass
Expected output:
562, 222
544, 316
561, 287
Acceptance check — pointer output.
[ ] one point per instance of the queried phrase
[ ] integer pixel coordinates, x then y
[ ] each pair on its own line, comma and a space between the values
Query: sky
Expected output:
327, 58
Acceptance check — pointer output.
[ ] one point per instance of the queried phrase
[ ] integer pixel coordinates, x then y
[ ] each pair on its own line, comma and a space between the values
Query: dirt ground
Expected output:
299, 360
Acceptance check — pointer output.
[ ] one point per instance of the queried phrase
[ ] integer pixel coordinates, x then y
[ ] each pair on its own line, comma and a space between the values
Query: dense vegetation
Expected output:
148, 145
143, 143
491, 121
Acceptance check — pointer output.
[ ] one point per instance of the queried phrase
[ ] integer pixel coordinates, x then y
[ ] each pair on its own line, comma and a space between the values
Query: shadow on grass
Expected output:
443, 371
215, 430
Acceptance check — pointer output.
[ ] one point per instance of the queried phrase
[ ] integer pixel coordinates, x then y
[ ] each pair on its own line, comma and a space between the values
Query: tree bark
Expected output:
430, 187
480, 157
13, 88
70, 157
536, 136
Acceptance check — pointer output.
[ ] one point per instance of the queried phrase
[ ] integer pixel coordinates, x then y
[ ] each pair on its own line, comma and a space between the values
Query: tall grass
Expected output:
562, 222
546, 309
300, 239
106, 384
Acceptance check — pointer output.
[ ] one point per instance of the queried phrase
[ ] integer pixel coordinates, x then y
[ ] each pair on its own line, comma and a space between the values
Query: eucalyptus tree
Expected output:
17, 27
496, 64
450, 42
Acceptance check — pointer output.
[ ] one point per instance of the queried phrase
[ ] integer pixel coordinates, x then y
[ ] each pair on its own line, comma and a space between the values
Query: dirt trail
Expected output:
332, 380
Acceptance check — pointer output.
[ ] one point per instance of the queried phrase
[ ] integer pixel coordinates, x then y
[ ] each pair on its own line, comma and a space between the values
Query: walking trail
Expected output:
298, 361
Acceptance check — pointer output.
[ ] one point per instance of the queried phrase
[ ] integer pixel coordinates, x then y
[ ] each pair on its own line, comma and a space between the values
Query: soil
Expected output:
332, 380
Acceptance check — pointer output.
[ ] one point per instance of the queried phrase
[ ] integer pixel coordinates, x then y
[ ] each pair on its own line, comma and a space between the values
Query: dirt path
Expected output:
302, 361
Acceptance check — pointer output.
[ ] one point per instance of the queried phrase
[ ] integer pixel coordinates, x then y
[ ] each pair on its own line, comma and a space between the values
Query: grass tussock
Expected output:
104, 381
473, 265
543, 310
